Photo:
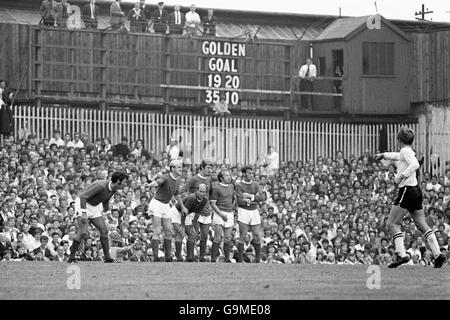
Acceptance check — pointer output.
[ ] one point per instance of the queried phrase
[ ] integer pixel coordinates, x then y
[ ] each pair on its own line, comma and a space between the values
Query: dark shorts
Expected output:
409, 198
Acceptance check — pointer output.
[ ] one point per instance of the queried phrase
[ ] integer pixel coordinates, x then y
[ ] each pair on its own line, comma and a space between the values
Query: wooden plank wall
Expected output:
136, 65
237, 139
14, 55
430, 67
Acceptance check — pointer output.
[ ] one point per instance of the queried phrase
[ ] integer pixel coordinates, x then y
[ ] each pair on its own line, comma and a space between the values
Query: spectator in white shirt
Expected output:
78, 144
307, 74
272, 161
192, 22
68, 141
433, 184
57, 139
172, 150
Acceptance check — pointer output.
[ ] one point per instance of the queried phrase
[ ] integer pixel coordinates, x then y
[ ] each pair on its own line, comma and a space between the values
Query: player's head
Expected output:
206, 167
201, 191
405, 136
176, 166
224, 176
248, 172
118, 179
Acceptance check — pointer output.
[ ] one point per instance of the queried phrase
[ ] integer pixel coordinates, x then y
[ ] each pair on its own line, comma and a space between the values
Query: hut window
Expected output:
378, 58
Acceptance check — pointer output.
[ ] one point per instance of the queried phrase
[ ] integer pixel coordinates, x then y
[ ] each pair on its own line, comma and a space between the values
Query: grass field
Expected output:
208, 281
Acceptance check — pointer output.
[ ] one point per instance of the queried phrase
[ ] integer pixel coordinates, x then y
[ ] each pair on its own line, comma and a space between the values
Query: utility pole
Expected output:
422, 13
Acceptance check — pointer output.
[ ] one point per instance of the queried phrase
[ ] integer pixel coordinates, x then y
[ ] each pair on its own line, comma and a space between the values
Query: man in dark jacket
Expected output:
122, 148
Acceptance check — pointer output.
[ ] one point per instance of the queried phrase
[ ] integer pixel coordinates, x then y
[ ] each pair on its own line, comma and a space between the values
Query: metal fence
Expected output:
239, 140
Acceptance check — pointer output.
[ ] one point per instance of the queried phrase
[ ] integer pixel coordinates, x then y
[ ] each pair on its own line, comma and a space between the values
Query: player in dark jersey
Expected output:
222, 197
195, 203
248, 195
93, 201
159, 208
199, 223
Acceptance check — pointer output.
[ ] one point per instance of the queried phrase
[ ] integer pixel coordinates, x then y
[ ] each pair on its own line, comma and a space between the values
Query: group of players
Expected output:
213, 204
205, 205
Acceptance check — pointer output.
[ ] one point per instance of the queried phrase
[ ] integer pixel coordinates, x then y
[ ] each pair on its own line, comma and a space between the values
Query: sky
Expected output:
391, 9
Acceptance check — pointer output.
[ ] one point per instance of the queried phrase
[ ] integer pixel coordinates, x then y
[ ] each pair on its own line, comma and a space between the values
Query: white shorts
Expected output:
249, 217
205, 219
92, 211
159, 209
218, 219
175, 215
189, 218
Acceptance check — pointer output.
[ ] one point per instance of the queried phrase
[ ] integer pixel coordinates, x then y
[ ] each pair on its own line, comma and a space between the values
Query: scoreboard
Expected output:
222, 70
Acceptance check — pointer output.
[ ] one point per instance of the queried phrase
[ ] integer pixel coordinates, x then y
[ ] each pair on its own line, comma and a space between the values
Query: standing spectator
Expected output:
172, 149
116, 15
272, 161
192, 22
56, 139
136, 16
122, 148
160, 17
6, 114
62, 13
90, 16
147, 14
139, 151
48, 13
209, 24
177, 21
307, 74
106, 144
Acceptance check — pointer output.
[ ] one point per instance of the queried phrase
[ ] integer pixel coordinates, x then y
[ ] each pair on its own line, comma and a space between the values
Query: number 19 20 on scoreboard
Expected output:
223, 72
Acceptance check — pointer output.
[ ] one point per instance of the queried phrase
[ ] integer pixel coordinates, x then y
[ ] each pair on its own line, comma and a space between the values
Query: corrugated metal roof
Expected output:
341, 28
226, 30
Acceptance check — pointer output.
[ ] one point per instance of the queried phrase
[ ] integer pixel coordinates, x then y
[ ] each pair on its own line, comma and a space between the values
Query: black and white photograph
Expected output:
219, 156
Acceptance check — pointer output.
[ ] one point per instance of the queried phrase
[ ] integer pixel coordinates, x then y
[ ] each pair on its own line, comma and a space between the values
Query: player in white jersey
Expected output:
409, 199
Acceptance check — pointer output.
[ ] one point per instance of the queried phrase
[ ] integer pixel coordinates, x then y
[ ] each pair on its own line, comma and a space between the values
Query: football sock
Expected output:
167, 249
202, 249
178, 246
432, 242
257, 247
399, 244
190, 250
155, 249
214, 252
240, 252
105, 245
226, 250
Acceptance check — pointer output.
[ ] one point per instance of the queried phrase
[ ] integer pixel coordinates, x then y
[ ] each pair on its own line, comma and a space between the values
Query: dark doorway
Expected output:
338, 71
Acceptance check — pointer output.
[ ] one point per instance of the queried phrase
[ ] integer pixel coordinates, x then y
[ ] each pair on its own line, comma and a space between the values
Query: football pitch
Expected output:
218, 281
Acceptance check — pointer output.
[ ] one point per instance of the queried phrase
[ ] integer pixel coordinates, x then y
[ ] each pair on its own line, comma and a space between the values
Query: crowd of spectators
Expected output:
323, 211
142, 18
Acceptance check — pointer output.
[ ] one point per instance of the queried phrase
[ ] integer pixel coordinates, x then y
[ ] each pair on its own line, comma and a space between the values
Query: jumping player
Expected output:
92, 202
248, 193
409, 199
194, 203
159, 207
201, 222
222, 197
